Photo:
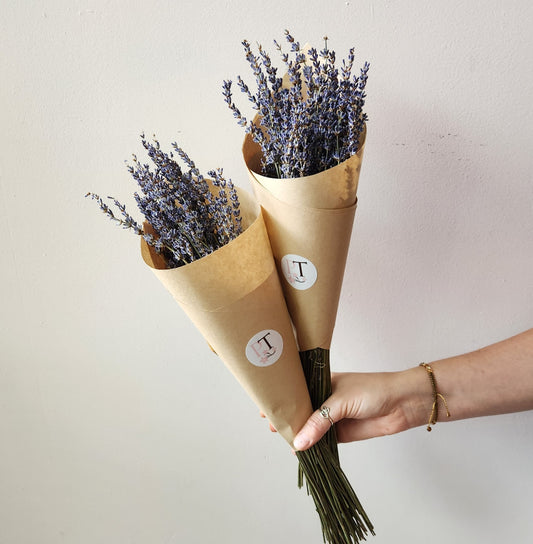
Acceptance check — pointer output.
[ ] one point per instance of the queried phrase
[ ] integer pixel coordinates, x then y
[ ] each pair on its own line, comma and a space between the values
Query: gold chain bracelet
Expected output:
434, 416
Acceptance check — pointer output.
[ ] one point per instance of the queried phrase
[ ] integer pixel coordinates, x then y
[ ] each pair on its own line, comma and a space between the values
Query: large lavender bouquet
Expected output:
303, 150
207, 243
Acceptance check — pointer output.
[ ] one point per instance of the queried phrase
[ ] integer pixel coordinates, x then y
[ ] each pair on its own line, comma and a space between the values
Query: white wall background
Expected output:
117, 425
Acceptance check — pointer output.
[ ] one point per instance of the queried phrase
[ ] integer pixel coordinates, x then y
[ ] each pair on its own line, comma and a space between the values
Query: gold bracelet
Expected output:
434, 416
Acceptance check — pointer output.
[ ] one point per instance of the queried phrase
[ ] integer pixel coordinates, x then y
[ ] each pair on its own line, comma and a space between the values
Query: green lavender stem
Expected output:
344, 521
316, 366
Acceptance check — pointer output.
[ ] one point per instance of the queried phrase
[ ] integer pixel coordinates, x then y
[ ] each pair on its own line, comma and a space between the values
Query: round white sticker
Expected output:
299, 272
264, 348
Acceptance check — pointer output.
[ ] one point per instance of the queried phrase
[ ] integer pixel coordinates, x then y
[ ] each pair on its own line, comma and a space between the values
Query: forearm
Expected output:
497, 379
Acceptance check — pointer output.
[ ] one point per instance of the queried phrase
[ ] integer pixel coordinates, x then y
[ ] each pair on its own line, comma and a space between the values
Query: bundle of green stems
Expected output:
343, 518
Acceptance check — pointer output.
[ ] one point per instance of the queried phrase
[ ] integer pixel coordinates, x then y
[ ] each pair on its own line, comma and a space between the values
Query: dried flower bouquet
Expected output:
206, 242
303, 150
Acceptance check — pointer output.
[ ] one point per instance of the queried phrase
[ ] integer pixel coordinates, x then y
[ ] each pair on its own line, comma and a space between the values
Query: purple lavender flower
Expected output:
311, 124
190, 218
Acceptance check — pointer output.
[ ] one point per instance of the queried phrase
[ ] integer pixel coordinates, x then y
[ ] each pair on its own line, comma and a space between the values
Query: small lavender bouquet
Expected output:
304, 149
187, 217
207, 243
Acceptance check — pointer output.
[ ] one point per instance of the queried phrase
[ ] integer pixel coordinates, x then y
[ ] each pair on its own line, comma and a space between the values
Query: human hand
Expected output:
367, 405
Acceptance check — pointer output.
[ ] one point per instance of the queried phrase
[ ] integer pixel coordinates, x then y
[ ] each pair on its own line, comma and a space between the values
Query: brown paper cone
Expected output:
309, 221
235, 299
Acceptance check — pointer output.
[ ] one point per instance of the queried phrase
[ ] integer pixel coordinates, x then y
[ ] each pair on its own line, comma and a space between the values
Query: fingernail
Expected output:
301, 442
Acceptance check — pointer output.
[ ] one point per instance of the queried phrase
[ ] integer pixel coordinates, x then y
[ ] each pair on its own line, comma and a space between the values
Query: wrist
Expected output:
414, 395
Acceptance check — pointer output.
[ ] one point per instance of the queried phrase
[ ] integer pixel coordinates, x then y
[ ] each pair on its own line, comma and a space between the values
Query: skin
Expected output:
497, 379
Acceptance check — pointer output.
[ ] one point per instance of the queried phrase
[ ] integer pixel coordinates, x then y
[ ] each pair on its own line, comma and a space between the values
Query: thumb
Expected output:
316, 426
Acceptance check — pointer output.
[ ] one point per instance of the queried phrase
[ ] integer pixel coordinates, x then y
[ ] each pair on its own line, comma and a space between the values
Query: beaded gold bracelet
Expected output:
434, 416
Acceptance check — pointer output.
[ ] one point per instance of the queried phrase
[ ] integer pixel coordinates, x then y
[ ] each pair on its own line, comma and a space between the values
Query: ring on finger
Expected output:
324, 412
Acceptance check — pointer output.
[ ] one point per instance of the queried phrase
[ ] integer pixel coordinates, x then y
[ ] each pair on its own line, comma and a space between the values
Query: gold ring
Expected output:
324, 412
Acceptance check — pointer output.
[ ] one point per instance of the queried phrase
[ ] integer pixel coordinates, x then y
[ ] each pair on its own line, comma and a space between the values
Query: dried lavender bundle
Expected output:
310, 125
306, 122
190, 215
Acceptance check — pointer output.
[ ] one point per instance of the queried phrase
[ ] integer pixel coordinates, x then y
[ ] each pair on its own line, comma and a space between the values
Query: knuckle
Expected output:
316, 422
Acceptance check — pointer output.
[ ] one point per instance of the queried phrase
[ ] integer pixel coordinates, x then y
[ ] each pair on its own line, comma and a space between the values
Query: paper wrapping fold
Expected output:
233, 294
311, 217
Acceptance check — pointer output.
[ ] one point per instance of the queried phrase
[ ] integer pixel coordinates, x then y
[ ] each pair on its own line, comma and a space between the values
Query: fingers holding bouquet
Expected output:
362, 405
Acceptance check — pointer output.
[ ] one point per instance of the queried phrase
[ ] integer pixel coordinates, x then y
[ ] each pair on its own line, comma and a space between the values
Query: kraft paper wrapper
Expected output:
312, 217
233, 294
